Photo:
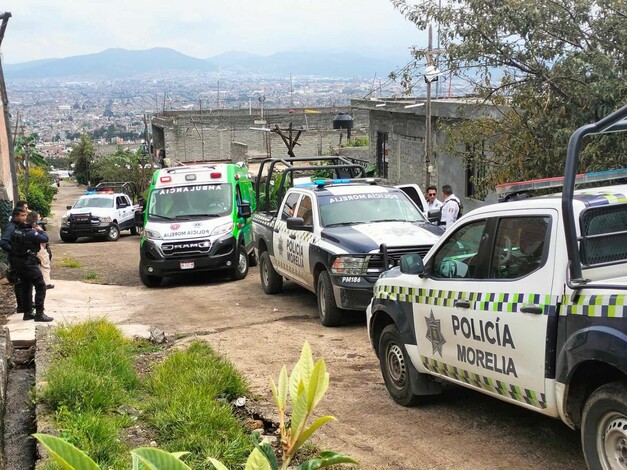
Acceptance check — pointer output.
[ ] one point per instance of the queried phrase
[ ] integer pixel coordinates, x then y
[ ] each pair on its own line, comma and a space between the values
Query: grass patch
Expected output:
91, 375
90, 276
70, 263
188, 406
185, 399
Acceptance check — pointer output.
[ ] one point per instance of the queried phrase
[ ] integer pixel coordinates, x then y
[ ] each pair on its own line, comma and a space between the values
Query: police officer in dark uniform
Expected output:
25, 243
18, 216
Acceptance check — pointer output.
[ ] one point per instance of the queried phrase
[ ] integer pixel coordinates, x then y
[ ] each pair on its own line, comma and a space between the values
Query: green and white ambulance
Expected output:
197, 218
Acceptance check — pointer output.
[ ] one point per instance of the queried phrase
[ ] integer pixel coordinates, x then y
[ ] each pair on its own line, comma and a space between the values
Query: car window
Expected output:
458, 256
519, 247
304, 210
290, 204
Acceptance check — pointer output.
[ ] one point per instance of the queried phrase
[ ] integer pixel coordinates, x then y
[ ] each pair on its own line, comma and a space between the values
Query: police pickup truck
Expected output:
102, 212
327, 234
525, 301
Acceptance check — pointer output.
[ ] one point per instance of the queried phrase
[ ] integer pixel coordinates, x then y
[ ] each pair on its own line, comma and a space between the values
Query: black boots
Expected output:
39, 316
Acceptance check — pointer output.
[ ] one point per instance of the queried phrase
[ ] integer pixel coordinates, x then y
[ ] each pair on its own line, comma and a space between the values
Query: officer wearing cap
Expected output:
26, 241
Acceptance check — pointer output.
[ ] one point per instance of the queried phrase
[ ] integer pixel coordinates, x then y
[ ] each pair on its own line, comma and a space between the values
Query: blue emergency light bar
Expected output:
321, 183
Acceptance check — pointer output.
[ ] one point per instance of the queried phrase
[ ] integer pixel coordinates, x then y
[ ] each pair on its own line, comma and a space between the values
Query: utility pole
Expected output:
218, 96
291, 92
431, 75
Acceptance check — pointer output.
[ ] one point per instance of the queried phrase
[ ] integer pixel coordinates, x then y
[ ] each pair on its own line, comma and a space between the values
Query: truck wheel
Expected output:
330, 314
68, 238
147, 279
395, 366
271, 281
604, 427
240, 270
113, 233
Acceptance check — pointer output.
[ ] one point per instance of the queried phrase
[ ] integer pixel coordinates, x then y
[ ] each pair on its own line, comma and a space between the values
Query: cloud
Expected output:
60, 28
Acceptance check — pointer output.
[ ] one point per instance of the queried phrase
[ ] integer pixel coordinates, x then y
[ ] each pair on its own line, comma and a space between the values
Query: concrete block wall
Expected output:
189, 136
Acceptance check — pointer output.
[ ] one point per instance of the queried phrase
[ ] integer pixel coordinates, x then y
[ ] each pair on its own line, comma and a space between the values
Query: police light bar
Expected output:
216, 174
505, 191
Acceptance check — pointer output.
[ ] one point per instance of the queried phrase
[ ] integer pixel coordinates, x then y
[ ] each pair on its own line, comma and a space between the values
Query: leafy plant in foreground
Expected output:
306, 386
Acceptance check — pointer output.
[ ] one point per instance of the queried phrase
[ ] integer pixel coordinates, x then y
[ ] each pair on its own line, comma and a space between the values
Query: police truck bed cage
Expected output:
521, 189
342, 168
615, 122
126, 187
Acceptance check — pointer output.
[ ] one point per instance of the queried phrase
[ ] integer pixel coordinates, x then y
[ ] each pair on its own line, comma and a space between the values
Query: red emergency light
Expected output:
216, 174
165, 179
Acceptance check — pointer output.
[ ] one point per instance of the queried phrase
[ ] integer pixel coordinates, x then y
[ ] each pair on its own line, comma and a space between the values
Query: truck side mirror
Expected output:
298, 223
244, 209
434, 216
411, 263
68, 207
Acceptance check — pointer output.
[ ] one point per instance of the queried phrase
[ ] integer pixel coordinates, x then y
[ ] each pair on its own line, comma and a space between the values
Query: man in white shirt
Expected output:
450, 207
432, 201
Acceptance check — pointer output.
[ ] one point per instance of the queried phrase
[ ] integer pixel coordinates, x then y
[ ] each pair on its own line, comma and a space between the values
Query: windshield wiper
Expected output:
341, 224
388, 220
163, 217
206, 215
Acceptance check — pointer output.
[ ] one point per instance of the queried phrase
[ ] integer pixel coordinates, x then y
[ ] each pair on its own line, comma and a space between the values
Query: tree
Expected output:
550, 67
82, 155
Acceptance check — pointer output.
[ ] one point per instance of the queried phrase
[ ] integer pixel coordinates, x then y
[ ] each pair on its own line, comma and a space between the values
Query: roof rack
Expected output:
341, 166
521, 190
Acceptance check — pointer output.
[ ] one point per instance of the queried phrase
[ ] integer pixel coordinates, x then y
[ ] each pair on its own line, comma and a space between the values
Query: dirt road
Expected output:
460, 429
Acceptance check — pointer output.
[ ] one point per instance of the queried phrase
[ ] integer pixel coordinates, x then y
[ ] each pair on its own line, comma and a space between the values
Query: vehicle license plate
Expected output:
187, 265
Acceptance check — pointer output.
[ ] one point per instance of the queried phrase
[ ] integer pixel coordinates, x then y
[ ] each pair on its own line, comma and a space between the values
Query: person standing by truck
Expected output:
18, 216
451, 207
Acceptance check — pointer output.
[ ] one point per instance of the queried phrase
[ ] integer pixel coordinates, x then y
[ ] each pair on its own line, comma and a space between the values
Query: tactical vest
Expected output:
20, 246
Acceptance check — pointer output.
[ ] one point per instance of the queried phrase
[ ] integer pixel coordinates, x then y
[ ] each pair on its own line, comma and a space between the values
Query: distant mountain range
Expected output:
123, 63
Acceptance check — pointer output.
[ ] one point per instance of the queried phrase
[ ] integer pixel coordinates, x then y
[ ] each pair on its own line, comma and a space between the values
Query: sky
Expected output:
43, 29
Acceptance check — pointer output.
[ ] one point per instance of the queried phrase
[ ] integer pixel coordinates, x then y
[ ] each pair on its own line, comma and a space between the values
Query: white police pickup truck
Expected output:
103, 212
327, 235
525, 301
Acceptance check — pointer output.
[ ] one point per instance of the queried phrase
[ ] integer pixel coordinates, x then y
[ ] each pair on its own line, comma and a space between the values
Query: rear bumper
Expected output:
221, 255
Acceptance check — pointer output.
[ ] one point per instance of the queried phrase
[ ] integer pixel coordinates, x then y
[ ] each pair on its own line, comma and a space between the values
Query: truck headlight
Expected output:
222, 229
64, 220
152, 235
105, 220
350, 265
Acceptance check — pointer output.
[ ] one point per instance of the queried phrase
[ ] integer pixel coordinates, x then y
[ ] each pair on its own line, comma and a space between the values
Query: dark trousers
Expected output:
17, 288
30, 275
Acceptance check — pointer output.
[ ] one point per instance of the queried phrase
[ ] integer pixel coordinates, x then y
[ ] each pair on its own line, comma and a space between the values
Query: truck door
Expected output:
483, 312
241, 194
299, 241
124, 210
280, 237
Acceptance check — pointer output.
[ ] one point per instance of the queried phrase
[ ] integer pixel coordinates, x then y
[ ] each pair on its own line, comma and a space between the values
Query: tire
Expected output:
604, 427
133, 230
240, 270
328, 311
147, 279
68, 238
395, 367
113, 233
271, 281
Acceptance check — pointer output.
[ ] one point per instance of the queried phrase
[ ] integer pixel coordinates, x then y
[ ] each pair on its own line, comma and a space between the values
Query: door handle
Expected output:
535, 309
462, 303
292, 236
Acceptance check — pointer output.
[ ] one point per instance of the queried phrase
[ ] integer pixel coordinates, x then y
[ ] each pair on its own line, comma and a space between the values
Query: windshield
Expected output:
364, 208
187, 202
93, 202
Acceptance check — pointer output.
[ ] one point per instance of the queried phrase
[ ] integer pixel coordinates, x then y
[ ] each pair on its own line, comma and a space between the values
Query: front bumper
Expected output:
352, 292
86, 230
221, 255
